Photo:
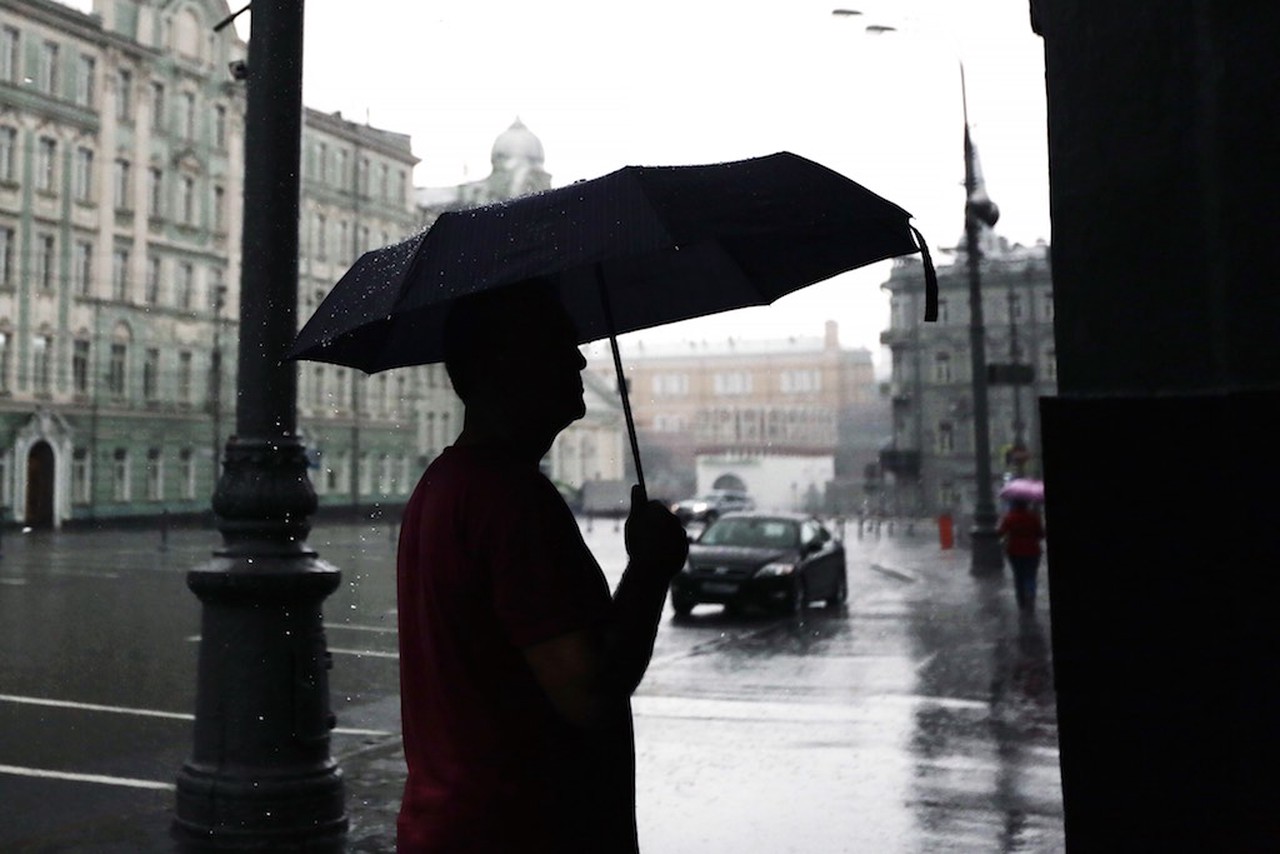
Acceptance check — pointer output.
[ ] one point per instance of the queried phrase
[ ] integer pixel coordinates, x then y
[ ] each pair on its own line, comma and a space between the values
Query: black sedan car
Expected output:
780, 561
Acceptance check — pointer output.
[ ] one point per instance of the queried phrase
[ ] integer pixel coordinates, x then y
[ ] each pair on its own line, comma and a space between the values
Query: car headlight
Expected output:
700, 507
775, 569
687, 568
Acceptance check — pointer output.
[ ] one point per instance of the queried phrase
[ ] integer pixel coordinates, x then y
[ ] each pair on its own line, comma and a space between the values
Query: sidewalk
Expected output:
929, 727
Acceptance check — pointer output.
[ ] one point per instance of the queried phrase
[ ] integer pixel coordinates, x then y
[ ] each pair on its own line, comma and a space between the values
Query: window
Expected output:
187, 461
219, 209
670, 384
157, 106
184, 376
734, 382
80, 476
120, 274
83, 178
116, 368
155, 475
321, 228
340, 168
944, 315
217, 291
155, 192
322, 162
42, 354
82, 267
9, 56
120, 475
362, 177
188, 125
942, 367
188, 201
8, 152
1049, 365
384, 181
120, 186
800, 381
80, 367
4, 361
46, 161
1015, 306
124, 95
45, 260
402, 186
152, 295
317, 388
366, 474
6, 256
86, 70
946, 438
220, 126
47, 69
151, 375
343, 240
185, 285
1046, 306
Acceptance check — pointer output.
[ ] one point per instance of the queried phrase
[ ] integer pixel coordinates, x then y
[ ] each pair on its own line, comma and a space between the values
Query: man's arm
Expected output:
586, 671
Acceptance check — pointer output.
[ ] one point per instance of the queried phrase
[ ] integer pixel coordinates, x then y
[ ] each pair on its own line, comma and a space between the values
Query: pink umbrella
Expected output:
1024, 489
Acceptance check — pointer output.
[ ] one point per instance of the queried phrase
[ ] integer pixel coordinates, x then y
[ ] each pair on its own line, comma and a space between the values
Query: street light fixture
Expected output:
979, 210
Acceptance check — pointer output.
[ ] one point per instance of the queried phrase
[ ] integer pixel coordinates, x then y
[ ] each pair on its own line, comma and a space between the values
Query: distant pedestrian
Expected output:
1021, 531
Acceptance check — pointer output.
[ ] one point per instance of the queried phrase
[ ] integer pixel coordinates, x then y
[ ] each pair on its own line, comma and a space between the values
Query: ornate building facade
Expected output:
121, 174
929, 464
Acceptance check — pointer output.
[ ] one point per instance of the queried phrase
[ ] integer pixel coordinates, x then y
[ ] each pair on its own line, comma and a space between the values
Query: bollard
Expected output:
946, 531
164, 530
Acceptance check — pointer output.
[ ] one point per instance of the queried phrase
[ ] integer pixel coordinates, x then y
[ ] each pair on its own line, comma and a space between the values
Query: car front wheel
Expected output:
841, 594
799, 598
682, 605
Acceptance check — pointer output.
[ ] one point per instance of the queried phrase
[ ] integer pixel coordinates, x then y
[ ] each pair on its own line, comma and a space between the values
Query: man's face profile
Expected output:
514, 354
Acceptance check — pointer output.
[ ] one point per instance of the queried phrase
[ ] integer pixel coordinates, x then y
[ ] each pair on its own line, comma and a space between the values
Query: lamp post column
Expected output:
260, 775
986, 556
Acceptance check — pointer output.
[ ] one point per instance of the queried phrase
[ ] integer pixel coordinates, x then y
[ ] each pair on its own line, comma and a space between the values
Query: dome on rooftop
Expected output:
515, 145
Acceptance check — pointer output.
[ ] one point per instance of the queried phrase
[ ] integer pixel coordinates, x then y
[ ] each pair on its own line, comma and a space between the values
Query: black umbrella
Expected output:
639, 247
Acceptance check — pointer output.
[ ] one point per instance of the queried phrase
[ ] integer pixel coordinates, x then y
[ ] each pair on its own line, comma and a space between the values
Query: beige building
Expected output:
717, 407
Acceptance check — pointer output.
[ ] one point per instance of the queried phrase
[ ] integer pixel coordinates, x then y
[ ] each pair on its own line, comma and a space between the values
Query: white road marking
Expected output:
353, 627
372, 653
336, 650
87, 778
13, 582
150, 713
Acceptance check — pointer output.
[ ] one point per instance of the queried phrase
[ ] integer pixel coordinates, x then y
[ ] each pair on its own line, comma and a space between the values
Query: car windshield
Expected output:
752, 532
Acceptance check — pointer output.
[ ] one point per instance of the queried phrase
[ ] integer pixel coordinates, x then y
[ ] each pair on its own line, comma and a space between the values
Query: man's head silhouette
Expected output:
513, 358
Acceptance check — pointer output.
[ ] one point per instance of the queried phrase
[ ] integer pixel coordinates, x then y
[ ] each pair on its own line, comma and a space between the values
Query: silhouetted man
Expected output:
516, 664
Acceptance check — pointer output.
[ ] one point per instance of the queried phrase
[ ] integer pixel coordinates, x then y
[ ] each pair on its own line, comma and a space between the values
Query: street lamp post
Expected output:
986, 557
260, 775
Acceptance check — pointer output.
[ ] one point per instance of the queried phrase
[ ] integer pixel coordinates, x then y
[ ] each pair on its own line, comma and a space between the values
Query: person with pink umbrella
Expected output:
1021, 531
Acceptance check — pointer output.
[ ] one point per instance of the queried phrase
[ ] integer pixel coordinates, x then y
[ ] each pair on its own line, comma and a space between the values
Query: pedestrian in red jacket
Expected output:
1021, 531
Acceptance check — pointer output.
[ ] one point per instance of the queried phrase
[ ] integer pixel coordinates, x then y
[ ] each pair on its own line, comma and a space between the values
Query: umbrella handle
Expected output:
622, 380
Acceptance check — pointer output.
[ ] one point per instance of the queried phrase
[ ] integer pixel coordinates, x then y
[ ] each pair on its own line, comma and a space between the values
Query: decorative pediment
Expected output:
47, 425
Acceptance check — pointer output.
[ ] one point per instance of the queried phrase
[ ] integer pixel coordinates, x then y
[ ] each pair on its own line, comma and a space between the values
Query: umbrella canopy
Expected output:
639, 247
670, 242
1023, 489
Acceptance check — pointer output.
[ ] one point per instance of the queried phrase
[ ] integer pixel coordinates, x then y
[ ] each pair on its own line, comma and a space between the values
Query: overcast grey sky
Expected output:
605, 85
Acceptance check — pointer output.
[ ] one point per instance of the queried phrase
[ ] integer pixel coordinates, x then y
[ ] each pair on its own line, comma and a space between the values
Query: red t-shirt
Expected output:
1022, 531
491, 561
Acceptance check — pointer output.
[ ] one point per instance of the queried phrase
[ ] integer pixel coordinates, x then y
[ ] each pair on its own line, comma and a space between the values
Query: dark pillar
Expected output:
1165, 171
260, 775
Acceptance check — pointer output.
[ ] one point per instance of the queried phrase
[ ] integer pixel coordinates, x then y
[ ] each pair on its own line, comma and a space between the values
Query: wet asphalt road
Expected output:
918, 719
